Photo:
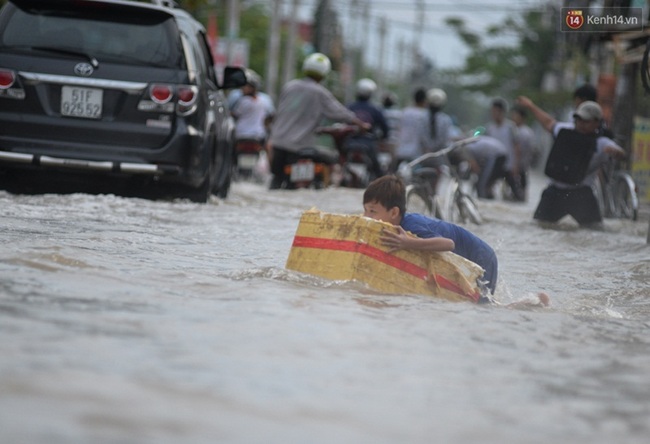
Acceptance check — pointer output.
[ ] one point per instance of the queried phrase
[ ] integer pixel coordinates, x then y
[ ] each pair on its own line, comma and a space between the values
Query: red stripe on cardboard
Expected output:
381, 256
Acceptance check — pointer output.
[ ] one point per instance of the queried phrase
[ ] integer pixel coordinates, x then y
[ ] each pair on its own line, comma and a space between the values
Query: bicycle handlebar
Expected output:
442, 152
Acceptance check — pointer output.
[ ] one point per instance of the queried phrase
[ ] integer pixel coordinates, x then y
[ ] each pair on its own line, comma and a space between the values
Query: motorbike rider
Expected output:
250, 112
373, 115
302, 106
236, 94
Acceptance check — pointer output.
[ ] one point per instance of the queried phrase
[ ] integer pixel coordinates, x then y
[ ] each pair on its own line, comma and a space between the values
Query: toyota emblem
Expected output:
83, 69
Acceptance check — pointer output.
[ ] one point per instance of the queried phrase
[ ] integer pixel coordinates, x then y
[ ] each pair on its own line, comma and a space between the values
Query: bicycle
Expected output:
436, 188
616, 193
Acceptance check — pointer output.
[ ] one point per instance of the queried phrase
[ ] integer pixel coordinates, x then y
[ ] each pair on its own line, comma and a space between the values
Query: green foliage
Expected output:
497, 66
253, 25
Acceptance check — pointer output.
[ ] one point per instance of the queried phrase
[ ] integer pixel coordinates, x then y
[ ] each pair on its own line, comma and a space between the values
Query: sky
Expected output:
402, 17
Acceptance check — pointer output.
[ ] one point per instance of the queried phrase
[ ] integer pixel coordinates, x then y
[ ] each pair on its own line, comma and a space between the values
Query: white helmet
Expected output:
317, 64
366, 87
253, 78
437, 97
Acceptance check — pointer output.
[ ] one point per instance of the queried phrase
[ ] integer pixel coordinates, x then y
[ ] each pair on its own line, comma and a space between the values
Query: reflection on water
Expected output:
133, 321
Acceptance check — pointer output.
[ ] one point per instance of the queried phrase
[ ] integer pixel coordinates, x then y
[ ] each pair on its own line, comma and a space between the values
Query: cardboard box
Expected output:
343, 247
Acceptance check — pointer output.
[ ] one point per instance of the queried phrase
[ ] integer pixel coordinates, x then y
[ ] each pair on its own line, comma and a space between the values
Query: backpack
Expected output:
570, 156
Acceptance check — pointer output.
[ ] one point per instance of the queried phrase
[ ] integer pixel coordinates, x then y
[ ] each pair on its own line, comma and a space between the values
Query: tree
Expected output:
515, 56
254, 25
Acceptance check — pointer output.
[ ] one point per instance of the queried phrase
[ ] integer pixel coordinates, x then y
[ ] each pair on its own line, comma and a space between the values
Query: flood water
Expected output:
125, 320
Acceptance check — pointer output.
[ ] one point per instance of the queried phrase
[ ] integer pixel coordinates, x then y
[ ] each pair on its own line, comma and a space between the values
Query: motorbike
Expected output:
354, 163
247, 154
346, 164
357, 165
311, 167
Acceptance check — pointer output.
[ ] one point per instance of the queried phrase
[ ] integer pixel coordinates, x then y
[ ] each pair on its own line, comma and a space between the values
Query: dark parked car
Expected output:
119, 89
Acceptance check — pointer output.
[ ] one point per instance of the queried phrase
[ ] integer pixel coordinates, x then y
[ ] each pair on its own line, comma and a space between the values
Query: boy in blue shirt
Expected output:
385, 200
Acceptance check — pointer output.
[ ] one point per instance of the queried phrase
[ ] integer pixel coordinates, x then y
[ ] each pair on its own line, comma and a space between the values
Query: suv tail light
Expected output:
187, 95
10, 86
164, 98
7, 78
161, 94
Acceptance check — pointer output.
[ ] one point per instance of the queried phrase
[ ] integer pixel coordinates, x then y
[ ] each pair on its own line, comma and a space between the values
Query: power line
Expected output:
453, 6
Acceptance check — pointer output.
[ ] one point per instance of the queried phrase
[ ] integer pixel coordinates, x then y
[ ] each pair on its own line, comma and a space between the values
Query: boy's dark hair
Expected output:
389, 191
586, 92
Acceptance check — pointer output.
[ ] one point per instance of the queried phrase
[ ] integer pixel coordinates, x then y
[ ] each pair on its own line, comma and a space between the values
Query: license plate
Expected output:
247, 161
81, 102
302, 172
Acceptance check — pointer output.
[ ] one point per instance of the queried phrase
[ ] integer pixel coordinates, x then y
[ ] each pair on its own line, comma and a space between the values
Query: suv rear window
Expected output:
148, 39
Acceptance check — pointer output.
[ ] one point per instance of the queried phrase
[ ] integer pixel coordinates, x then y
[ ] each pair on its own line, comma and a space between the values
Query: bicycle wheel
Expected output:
445, 199
417, 201
625, 198
468, 209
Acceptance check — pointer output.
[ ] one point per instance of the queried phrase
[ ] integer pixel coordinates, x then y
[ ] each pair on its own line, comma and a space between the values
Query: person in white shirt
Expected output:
414, 137
250, 111
303, 105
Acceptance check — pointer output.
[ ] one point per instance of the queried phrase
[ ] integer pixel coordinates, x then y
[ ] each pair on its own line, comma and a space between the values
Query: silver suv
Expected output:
114, 89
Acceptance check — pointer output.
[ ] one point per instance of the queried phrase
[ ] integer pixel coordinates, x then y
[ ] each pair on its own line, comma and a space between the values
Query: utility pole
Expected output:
290, 50
402, 70
354, 25
366, 35
382, 46
352, 49
417, 39
233, 27
273, 51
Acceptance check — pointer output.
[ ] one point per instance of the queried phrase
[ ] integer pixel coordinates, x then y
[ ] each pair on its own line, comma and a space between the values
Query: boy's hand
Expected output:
395, 240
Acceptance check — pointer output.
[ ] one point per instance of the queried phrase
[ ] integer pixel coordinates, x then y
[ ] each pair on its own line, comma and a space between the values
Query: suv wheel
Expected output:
224, 167
204, 191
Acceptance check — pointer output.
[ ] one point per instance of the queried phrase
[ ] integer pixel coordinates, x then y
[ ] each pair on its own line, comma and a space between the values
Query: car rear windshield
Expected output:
107, 35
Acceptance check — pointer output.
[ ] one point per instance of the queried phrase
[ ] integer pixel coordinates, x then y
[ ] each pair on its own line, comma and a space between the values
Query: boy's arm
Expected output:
545, 119
401, 240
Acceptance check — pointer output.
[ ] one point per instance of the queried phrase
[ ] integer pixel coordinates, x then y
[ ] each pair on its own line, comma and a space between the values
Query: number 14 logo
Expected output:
574, 19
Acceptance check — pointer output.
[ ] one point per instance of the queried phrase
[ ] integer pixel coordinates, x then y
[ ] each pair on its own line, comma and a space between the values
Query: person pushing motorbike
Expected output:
302, 106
